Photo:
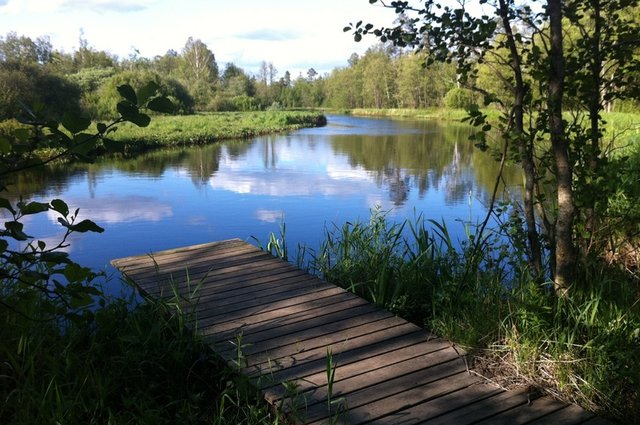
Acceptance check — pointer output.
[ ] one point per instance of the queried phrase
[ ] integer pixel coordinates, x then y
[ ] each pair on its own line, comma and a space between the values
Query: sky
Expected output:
294, 35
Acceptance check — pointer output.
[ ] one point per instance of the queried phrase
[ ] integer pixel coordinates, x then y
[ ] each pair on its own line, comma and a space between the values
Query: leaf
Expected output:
81, 300
15, 229
76, 273
146, 92
75, 123
128, 93
84, 143
22, 134
102, 127
3, 245
34, 208
141, 120
57, 257
86, 226
127, 110
161, 104
5, 145
60, 206
4, 203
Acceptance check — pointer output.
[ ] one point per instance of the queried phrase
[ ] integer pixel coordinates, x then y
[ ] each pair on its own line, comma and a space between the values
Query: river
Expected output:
310, 179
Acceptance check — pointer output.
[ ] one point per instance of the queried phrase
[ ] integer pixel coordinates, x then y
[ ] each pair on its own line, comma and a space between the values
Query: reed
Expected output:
582, 349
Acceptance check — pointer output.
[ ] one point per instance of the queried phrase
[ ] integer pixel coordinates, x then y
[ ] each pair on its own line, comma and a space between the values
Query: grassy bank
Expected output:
211, 127
582, 349
621, 128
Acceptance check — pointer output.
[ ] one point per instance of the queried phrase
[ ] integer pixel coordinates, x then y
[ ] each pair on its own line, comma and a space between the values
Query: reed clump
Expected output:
480, 294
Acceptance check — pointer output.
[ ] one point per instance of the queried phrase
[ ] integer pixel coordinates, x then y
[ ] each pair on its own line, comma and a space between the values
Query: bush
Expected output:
459, 98
102, 103
43, 92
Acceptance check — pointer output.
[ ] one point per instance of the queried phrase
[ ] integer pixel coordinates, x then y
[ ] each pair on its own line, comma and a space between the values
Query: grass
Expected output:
121, 365
210, 127
582, 349
623, 127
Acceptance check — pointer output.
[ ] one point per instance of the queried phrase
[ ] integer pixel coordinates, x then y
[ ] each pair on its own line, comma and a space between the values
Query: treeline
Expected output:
47, 80
35, 74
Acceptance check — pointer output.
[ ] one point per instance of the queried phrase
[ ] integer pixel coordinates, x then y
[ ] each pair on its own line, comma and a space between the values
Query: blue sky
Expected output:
292, 34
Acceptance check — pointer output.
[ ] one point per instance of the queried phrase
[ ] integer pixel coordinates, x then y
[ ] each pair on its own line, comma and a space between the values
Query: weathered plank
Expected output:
388, 371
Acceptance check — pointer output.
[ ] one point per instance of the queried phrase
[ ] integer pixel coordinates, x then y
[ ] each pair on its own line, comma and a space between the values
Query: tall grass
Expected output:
582, 349
121, 365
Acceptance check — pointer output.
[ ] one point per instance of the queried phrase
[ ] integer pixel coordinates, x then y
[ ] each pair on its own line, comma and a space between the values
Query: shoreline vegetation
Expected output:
203, 128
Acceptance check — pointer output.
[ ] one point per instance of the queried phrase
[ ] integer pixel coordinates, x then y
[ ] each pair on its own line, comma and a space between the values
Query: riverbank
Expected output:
624, 127
202, 128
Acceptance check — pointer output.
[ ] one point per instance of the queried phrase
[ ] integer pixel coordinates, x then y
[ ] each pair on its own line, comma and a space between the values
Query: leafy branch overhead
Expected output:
38, 266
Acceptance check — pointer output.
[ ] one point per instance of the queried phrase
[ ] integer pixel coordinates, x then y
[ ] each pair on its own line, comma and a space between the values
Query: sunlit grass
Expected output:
211, 127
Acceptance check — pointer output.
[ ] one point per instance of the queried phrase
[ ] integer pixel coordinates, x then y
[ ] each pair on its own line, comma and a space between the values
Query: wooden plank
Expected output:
269, 366
312, 327
215, 325
184, 275
340, 329
432, 365
144, 261
568, 415
370, 403
481, 409
426, 410
525, 413
418, 355
326, 312
388, 370
351, 362
254, 307
305, 344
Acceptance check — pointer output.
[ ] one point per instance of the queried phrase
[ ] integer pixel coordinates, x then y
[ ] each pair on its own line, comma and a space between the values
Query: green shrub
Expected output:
459, 98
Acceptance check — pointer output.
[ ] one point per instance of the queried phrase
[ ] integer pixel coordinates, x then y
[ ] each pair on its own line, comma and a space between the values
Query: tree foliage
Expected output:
540, 79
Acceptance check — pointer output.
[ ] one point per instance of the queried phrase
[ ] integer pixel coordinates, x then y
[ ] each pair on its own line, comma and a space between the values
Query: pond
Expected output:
310, 179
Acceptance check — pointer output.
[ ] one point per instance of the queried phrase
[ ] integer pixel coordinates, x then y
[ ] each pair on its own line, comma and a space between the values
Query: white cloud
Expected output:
291, 34
115, 209
269, 216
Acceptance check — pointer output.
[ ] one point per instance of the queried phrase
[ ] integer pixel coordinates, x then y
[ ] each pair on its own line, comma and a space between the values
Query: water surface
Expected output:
309, 179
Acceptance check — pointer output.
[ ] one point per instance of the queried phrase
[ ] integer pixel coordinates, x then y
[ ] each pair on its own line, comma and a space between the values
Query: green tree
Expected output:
88, 57
529, 47
31, 86
379, 78
103, 102
21, 49
200, 72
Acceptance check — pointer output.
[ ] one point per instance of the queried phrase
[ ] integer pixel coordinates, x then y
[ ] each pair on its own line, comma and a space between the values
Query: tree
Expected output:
21, 49
528, 47
88, 57
200, 62
36, 88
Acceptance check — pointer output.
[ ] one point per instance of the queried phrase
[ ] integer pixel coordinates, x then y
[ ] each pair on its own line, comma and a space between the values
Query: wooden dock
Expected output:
280, 323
